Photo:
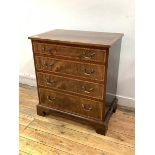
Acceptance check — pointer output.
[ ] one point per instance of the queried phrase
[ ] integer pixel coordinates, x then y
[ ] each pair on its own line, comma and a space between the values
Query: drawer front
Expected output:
71, 85
91, 71
70, 104
70, 52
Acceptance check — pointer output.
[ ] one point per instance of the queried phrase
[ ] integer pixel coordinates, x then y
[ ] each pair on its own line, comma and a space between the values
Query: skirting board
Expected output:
125, 101
122, 100
27, 79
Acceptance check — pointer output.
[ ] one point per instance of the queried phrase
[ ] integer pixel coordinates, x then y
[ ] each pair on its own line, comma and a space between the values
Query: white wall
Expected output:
38, 16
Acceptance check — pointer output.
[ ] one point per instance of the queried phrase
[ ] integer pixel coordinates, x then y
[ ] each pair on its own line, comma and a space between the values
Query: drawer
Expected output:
71, 85
65, 67
70, 104
70, 52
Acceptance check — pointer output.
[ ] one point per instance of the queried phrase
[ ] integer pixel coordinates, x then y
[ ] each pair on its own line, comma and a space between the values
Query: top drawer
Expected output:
77, 53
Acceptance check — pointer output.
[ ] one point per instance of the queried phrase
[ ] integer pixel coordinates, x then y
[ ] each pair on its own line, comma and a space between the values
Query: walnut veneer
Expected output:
76, 74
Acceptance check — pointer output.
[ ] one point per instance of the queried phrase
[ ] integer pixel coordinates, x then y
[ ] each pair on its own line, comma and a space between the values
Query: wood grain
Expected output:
71, 104
65, 67
75, 86
58, 142
80, 54
55, 135
33, 147
104, 39
23, 153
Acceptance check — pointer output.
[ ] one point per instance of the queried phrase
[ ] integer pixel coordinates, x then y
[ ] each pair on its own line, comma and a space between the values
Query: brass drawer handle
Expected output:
88, 55
51, 99
86, 108
43, 48
49, 82
88, 91
91, 71
46, 65
49, 50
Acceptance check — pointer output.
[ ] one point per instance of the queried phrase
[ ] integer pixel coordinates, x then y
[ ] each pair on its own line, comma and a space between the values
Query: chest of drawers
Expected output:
76, 73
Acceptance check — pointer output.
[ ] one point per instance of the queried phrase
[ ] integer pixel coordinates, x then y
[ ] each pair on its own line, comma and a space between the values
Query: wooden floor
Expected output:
57, 136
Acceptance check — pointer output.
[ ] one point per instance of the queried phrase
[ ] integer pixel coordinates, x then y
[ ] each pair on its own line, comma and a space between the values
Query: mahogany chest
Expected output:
76, 73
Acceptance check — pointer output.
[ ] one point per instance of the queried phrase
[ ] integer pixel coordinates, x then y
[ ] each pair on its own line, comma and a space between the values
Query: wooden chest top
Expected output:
79, 37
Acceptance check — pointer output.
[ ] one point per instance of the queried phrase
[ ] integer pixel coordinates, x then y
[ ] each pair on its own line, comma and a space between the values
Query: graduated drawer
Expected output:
65, 67
71, 85
70, 104
70, 52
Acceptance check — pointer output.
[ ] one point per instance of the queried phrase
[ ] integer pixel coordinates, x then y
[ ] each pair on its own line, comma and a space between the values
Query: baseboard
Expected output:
126, 101
27, 79
31, 81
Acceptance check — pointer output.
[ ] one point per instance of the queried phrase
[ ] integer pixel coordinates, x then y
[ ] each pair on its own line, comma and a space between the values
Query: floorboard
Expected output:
55, 135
